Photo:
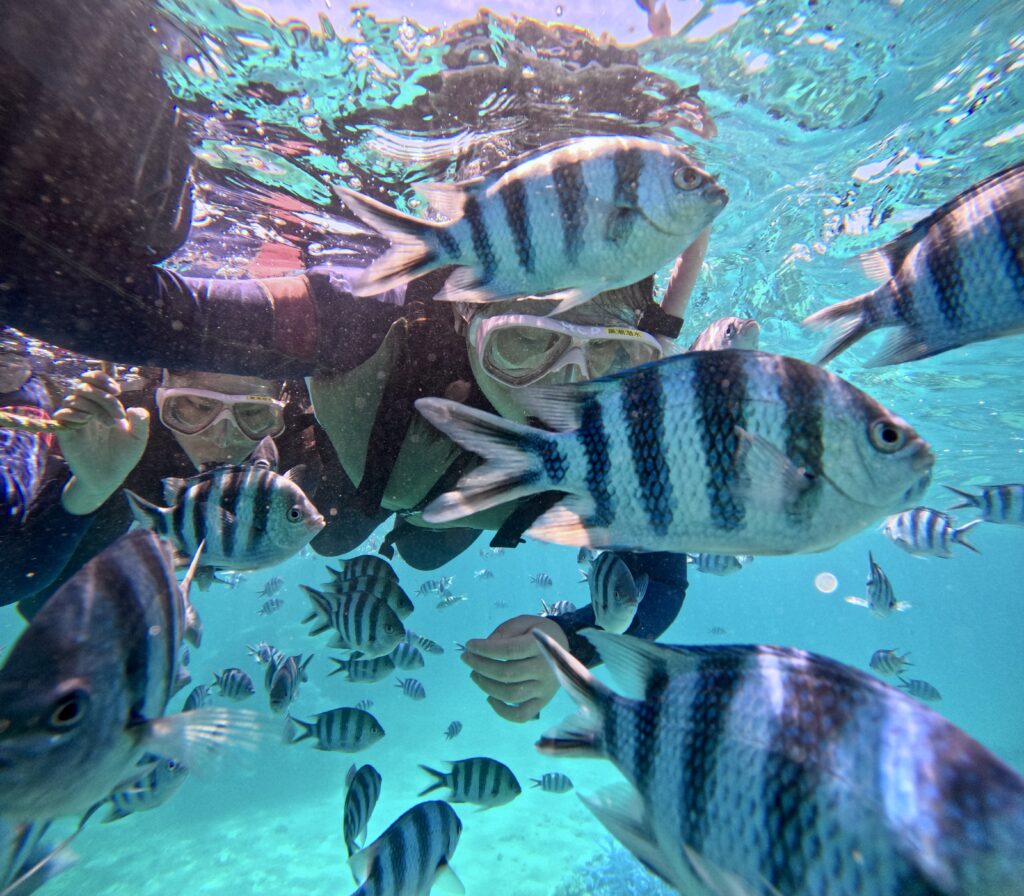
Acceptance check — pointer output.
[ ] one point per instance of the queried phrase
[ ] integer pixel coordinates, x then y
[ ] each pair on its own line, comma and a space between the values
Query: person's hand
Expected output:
510, 668
100, 441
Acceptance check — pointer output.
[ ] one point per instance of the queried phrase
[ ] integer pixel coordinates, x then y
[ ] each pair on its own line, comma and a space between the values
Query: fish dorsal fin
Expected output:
556, 407
447, 881
209, 467
634, 663
447, 199
265, 454
296, 474
173, 487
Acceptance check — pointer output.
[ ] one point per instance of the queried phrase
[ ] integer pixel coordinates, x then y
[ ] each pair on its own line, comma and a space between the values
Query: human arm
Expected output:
508, 665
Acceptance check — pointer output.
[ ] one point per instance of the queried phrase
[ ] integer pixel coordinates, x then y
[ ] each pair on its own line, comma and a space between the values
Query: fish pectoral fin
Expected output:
857, 601
570, 298
192, 736
721, 881
771, 480
296, 474
447, 881
359, 863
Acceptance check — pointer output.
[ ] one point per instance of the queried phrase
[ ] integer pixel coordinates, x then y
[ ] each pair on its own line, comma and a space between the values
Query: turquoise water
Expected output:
837, 125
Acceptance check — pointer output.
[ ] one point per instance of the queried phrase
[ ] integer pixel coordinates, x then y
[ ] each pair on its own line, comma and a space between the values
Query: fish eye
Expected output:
730, 330
886, 437
687, 177
69, 710
294, 514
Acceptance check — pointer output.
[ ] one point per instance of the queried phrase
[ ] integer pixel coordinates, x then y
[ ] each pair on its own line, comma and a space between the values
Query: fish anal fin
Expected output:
447, 881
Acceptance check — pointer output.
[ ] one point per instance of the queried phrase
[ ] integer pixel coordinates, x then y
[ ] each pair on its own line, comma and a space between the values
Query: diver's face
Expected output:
222, 442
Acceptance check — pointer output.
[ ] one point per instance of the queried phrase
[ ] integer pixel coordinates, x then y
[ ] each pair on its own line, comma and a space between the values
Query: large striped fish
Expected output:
383, 587
248, 515
570, 221
479, 780
954, 278
84, 691
345, 729
362, 790
412, 855
770, 770
723, 452
360, 621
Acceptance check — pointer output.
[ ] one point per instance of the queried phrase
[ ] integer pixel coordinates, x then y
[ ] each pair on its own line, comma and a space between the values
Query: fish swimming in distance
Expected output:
881, 599
727, 452
996, 503
362, 790
481, 780
771, 770
568, 221
925, 532
728, 332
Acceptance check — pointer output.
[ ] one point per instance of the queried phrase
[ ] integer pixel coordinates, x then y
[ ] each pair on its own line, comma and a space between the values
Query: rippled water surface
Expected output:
834, 125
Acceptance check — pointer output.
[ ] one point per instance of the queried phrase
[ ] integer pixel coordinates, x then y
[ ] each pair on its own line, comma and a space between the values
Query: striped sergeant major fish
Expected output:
383, 587
479, 780
728, 332
730, 751
369, 565
718, 564
362, 790
248, 515
363, 671
541, 580
412, 688
265, 653
881, 599
553, 782
405, 656
411, 857
424, 644
360, 621
26, 861
614, 593
345, 730
996, 503
928, 532
271, 587
557, 608
234, 684
569, 221
920, 689
271, 606
954, 278
436, 586
283, 685
723, 452
161, 777
450, 600
889, 661
453, 730
197, 698
84, 691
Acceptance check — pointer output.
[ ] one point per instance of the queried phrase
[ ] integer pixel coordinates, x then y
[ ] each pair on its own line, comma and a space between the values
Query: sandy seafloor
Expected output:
270, 820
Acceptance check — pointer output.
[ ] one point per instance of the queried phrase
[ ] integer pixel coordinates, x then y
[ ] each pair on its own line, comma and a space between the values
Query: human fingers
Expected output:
509, 692
101, 380
88, 401
502, 670
524, 712
509, 641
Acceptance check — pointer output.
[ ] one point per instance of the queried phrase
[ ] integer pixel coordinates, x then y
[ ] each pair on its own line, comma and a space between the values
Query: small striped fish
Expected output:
728, 332
881, 599
483, 574
724, 452
361, 622
234, 684
363, 671
558, 608
541, 580
889, 662
450, 600
928, 532
405, 656
271, 586
731, 751
573, 219
248, 516
270, 606
614, 593
266, 654
411, 857
553, 782
412, 688
345, 730
424, 644
453, 730
954, 278
283, 685
916, 687
436, 586
197, 698
479, 780
718, 564
996, 503
364, 704
154, 788
361, 795
369, 565
383, 587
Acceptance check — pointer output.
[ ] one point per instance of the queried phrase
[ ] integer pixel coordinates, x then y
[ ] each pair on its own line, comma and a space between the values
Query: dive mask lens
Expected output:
258, 419
188, 414
519, 354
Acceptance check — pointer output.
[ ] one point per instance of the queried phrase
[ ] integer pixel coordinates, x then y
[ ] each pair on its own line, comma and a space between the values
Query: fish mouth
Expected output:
716, 194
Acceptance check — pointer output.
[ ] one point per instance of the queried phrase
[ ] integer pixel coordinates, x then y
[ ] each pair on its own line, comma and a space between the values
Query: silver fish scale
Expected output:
817, 783
658, 451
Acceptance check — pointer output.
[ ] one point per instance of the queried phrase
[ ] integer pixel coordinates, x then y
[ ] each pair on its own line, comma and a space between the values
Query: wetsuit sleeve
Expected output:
666, 591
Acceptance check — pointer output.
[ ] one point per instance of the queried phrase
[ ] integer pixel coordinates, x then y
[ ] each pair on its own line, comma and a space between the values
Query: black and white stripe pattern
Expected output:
412, 688
234, 684
361, 621
361, 797
364, 671
345, 729
369, 565
383, 587
998, 503
480, 780
405, 656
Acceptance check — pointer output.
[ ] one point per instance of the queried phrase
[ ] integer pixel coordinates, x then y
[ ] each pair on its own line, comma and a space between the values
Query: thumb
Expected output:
137, 420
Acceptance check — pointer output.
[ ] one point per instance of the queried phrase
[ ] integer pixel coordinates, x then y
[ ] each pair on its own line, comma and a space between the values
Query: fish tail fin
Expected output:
414, 250
296, 730
514, 457
581, 734
321, 610
969, 499
442, 780
148, 515
959, 533
848, 322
